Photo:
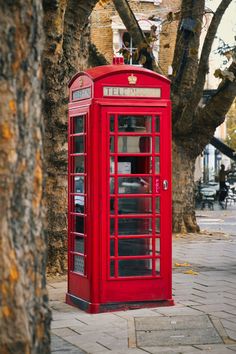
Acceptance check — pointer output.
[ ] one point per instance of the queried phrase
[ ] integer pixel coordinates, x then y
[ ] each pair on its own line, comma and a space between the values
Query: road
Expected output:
218, 220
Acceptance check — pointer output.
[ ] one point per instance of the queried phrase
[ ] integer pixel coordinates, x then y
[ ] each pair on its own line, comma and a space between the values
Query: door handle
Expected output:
165, 184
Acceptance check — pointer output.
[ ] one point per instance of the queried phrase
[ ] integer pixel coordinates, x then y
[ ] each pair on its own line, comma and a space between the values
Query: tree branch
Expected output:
213, 114
76, 19
130, 21
206, 49
185, 114
185, 61
53, 22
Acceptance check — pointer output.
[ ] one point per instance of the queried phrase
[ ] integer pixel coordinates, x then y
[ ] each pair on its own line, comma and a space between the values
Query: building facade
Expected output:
109, 34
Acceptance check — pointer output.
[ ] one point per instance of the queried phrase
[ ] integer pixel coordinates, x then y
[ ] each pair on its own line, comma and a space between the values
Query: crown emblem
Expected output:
132, 79
81, 82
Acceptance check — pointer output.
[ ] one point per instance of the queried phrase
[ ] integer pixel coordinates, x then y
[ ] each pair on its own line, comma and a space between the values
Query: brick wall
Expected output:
101, 32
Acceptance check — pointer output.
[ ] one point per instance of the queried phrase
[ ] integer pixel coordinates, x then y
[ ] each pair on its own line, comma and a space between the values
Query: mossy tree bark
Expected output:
66, 52
25, 317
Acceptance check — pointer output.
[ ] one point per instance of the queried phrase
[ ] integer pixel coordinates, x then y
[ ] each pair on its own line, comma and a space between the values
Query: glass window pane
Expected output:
135, 247
79, 264
78, 124
112, 268
134, 226
112, 185
135, 267
112, 205
134, 205
78, 164
157, 165
134, 164
112, 123
79, 184
112, 165
124, 167
157, 266
78, 144
158, 205
157, 144
112, 226
134, 144
157, 125
79, 244
158, 225
79, 224
112, 247
134, 185
112, 142
158, 245
78, 204
140, 124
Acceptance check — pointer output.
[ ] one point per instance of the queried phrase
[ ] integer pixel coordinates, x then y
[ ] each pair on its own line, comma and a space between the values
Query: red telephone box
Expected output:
119, 248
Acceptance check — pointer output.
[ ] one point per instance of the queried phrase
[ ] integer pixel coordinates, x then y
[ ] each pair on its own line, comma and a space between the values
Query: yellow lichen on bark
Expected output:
5, 131
6, 311
12, 106
14, 273
11, 278
4, 290
38, 181
40, 331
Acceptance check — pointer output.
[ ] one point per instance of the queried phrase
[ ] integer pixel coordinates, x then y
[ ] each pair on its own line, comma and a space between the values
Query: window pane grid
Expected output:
120, 134
74, 234
77, 192
134, 123
123, 147
133, 257
77, 124
78, 154
79, 264
78, 134
75, 213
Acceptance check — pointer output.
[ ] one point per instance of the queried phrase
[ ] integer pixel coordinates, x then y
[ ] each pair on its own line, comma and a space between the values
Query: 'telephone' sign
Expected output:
110, 91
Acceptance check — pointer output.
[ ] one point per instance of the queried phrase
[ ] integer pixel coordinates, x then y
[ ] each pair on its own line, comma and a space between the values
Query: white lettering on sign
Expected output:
110, 91
81, 94
157, 185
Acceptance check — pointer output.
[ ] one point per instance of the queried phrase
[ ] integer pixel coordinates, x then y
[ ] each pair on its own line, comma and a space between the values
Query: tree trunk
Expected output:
66, 52
184, 219
130, 21
25, 317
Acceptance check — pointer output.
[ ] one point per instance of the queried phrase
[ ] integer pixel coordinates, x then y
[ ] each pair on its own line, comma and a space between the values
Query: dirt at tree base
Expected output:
54, 278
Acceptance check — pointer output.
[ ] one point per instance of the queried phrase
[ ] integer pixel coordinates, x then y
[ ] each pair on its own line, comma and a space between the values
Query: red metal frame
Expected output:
103, 287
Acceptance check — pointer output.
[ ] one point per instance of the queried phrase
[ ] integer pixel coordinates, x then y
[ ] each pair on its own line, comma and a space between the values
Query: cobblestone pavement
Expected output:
203, 319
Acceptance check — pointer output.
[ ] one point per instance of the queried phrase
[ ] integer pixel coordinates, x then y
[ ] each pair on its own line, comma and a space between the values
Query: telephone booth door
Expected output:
136, 198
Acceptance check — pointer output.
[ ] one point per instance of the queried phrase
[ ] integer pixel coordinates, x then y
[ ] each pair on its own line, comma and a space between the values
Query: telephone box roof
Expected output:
99, 72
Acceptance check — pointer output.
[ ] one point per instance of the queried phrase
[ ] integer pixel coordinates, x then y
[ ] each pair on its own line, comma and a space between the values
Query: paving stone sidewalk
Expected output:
203, 319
